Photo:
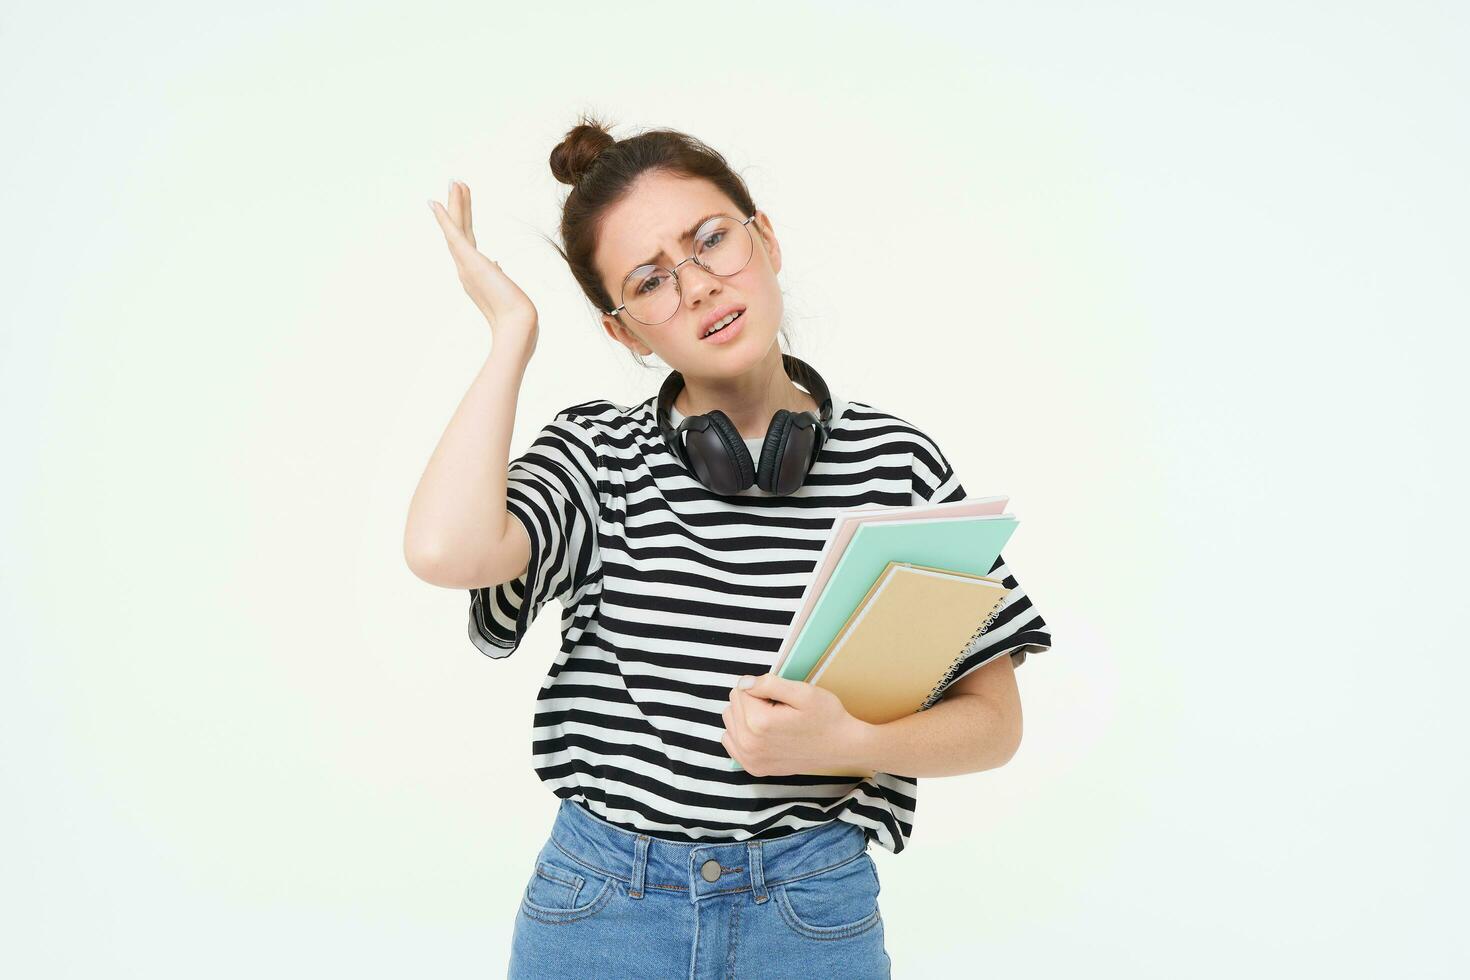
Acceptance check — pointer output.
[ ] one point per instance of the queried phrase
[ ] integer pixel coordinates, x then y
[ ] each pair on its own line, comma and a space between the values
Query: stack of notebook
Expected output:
897, 600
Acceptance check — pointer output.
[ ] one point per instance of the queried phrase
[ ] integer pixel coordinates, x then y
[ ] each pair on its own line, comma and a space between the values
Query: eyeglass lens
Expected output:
722, 246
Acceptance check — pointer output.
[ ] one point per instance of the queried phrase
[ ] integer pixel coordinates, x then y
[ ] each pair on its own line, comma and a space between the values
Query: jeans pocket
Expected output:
564, 890
832, 904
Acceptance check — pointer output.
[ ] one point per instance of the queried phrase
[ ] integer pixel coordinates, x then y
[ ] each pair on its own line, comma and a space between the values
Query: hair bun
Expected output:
578, 150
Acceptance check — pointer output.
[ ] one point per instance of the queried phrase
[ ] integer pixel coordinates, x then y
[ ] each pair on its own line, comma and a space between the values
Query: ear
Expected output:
773, 246
615, 329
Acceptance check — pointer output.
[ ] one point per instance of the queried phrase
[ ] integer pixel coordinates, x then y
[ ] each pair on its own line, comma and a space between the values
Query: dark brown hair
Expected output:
601, 171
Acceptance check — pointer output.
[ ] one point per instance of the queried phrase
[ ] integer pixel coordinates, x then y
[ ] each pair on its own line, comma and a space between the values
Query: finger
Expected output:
461, 209
459, 249
452, 206
440, 216
446, 224
774, 687
739, 706
466, 221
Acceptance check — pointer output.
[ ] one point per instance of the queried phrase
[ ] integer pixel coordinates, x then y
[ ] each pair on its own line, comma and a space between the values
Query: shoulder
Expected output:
591, 412
605, 427
598, 417
864, 420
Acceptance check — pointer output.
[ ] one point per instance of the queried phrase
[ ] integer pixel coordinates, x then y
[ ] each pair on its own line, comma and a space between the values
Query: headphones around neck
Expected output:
711, 446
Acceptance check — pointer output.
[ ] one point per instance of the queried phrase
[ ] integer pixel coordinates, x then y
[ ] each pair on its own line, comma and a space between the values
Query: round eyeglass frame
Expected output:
674, 274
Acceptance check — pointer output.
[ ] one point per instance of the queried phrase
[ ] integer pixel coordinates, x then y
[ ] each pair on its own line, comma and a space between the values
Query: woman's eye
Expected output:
714, 239
646, 287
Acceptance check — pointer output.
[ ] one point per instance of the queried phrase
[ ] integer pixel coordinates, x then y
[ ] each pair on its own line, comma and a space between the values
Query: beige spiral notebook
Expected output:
899, 648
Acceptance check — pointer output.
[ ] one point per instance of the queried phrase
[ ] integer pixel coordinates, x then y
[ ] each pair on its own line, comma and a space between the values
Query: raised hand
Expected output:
508, 309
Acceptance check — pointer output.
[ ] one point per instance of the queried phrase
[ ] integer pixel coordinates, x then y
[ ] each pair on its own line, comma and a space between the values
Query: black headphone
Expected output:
711, 446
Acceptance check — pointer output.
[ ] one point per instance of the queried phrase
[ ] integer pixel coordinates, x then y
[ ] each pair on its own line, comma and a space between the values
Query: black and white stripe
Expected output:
670, 593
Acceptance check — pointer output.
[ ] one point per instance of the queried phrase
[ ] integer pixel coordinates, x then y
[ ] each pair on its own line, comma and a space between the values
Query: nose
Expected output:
696, 282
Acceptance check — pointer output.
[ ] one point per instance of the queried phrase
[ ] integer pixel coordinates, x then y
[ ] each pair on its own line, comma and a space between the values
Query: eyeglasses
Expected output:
651, 294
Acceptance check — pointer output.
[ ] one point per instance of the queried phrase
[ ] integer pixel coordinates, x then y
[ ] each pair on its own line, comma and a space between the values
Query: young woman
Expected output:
677, 534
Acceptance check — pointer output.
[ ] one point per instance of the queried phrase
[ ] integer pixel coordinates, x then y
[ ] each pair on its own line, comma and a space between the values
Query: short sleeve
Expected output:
552, 489
1018, 627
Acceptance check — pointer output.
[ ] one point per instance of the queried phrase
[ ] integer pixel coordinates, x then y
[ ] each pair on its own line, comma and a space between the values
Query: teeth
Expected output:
722, 324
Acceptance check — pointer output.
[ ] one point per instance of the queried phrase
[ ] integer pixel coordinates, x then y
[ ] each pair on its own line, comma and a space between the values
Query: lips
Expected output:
716, 315
728, 333
729, 325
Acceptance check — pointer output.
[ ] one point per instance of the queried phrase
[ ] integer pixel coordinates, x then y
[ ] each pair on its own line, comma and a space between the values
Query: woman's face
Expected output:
652, 221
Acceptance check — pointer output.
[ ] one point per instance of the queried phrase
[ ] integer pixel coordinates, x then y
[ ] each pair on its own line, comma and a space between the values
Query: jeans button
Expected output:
710, 870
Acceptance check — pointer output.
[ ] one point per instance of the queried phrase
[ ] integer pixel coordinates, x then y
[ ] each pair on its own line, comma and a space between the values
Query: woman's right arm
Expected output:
459, 534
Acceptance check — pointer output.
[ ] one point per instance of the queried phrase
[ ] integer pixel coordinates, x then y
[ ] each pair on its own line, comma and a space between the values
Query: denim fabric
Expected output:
607, 902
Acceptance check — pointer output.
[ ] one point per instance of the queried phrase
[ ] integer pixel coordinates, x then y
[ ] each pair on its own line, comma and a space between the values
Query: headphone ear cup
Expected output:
771, 450
734, 463
787, 453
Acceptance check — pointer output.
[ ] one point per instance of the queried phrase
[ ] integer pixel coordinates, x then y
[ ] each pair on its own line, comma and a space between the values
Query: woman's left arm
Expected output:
776, 727
975, 726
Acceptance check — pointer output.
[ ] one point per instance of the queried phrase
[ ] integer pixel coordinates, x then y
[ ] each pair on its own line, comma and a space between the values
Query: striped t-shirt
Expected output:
671, 592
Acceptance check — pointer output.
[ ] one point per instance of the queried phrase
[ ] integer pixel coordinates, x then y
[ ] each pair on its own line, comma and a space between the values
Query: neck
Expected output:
750, 399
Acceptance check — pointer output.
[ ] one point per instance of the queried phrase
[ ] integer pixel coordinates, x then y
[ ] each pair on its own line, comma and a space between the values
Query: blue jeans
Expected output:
607, 902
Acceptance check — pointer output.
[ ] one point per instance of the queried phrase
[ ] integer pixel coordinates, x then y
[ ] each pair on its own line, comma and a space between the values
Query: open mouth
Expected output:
729, 330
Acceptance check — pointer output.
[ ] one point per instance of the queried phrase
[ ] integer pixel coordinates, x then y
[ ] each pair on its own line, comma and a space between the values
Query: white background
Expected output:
1186, 281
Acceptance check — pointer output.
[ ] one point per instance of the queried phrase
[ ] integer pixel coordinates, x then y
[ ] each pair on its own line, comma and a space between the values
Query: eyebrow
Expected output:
683, 238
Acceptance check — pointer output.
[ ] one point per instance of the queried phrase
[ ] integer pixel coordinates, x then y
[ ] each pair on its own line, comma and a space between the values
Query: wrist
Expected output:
513, 348
858, 743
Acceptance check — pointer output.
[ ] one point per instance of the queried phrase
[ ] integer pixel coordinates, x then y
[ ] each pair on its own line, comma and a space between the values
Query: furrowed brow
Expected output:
683, 238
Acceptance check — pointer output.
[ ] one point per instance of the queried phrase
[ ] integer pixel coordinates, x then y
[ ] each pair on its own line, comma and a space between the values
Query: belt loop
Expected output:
640, 865
757, 871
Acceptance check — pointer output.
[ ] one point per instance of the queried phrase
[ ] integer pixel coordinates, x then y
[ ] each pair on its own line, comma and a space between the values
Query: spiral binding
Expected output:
964, 652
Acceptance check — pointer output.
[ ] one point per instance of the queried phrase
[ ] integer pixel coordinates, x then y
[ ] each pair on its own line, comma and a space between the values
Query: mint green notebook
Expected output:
961, 544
